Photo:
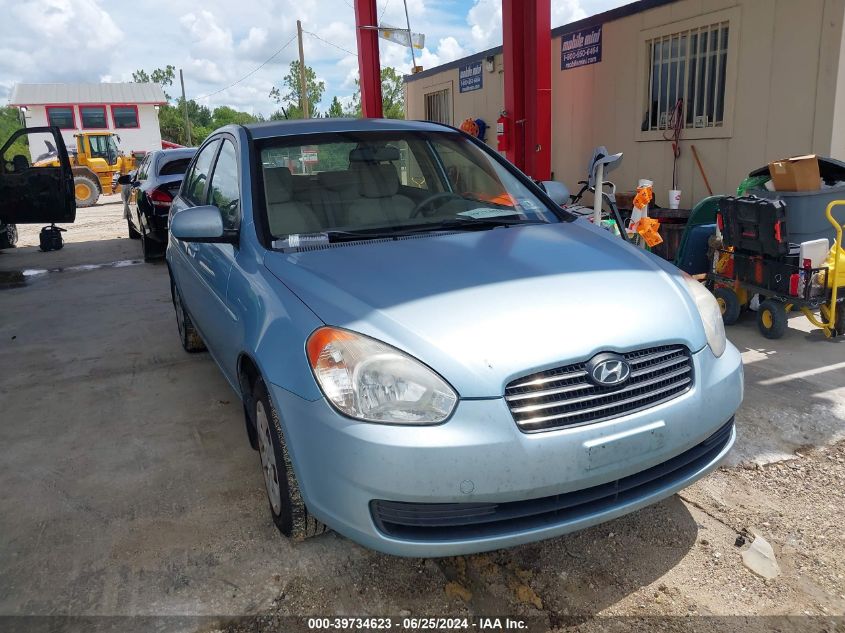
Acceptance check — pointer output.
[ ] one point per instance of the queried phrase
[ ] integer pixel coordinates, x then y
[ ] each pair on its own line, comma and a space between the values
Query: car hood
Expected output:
483, 308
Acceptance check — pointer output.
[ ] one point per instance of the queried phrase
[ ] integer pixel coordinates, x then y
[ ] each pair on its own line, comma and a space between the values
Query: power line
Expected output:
340, 48
249, 74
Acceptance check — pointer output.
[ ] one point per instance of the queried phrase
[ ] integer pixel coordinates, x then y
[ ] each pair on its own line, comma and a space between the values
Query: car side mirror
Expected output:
200, 224
557, 191
125, 179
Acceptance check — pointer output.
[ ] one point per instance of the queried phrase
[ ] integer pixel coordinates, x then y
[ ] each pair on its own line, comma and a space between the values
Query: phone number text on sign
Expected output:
580, 48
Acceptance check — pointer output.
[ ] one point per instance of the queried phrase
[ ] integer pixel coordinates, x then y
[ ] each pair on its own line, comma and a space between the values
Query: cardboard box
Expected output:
800, 173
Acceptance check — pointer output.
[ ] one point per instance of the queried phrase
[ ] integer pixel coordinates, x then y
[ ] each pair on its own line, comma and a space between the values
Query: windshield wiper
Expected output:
380, 233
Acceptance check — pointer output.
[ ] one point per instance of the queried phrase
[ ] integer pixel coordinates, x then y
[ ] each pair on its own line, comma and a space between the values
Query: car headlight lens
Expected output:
371, 381
711, 315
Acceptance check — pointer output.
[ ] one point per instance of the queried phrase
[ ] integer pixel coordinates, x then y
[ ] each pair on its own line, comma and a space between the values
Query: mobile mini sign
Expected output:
580, 48
470, 77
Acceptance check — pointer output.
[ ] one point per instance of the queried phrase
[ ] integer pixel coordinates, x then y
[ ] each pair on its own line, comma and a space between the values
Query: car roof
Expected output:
176, 152
270, 129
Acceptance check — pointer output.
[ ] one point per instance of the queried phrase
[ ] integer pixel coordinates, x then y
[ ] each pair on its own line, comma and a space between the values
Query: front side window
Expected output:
61, 116
389, 182
125, 116
144, 169
93, 116
195, 184
225, 193
101, 148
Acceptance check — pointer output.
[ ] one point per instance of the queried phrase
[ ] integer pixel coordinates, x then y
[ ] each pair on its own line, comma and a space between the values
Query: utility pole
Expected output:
185, 105
303, 86
410, 39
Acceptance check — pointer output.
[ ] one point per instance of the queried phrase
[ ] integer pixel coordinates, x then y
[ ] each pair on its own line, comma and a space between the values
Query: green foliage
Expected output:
392, 96
291, 99
161, 76
224, 115
10, 122
335, 109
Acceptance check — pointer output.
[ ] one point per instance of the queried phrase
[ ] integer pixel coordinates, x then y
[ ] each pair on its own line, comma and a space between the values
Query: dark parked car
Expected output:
155, 183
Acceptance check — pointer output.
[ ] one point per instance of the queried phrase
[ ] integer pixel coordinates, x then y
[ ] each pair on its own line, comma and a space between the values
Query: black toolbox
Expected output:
754, 225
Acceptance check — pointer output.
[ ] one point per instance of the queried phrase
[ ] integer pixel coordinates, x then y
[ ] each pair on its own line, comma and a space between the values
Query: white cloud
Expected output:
219, 42
206, 36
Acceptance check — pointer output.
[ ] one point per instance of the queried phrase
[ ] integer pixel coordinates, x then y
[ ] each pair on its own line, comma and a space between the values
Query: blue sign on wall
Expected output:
470, 77
580, 48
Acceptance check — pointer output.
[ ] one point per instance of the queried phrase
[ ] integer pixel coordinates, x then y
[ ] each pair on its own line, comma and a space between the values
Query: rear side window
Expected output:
225, 193
174, 167
197, 179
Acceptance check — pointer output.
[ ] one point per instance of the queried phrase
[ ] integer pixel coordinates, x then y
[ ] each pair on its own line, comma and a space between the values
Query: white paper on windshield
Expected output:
487, 212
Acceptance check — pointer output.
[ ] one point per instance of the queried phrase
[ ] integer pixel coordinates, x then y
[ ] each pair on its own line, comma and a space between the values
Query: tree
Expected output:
292, 98
224, 115
335, 109
392, 96
161, 76
10, 122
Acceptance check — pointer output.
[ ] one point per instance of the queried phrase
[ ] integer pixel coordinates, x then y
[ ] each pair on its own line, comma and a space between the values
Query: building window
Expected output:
689, 76
438, 106
125, 116
93, 116
61, 116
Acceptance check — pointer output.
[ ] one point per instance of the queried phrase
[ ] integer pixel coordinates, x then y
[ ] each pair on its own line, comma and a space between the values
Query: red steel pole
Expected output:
538, 89
526, 30
369, 66
514, 65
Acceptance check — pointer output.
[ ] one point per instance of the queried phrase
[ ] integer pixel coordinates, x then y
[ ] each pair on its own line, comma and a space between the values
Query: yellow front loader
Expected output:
95, 160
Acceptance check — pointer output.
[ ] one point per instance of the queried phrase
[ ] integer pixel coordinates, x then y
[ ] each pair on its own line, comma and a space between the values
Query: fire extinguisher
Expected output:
503, 133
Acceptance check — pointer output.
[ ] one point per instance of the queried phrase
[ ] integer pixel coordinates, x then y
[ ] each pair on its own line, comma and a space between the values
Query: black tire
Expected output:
771, 319
93, 191
148, 248
191, 340
133, 233
290, 515
728, 304
8, 235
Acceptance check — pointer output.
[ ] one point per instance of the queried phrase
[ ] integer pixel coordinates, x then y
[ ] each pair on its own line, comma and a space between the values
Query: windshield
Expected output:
379, 182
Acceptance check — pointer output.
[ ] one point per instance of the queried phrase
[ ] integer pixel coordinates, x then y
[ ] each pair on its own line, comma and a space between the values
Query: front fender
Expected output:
276, 326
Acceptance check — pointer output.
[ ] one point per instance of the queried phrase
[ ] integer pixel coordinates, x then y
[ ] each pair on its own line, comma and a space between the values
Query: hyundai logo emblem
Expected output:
608, 370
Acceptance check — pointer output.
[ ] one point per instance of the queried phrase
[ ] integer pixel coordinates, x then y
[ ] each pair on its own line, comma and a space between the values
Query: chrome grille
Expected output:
564, 396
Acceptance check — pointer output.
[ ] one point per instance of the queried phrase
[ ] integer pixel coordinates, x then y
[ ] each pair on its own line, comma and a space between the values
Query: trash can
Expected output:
805, 212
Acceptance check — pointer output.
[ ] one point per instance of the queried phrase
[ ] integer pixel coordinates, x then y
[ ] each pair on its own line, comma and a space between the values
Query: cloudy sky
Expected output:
218, 42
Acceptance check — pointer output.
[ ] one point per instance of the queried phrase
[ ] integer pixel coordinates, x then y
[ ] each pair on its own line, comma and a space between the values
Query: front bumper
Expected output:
480, 456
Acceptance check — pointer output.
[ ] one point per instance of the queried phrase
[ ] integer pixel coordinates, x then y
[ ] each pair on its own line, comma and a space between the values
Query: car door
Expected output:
135, 191
213, 262
182, 255
33, 190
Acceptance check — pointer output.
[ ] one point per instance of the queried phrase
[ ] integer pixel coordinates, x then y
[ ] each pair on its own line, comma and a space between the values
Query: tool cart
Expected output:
763, 256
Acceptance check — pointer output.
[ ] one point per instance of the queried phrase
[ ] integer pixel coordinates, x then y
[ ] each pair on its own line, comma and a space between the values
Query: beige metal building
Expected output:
760, 80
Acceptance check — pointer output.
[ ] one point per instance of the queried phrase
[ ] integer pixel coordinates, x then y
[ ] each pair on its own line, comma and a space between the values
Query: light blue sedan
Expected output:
433, 357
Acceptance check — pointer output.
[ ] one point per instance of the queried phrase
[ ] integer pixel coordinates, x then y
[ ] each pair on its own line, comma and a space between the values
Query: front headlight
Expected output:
711, 316
371, 381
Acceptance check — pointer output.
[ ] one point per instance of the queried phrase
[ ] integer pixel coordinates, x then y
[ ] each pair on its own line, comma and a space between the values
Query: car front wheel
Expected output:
290, 515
